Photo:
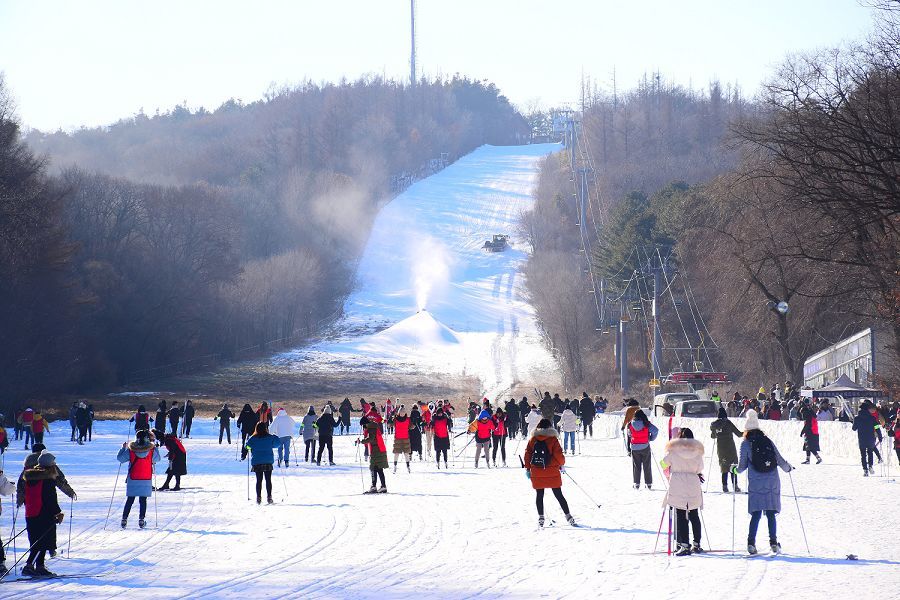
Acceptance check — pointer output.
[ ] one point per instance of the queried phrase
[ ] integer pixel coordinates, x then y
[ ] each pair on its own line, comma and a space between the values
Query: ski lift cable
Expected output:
694, 308
690, 291
585, 246
674, 305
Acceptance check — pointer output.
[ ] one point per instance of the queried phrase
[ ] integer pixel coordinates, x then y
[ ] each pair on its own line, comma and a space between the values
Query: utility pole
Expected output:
657, 336
412, 56
623, 350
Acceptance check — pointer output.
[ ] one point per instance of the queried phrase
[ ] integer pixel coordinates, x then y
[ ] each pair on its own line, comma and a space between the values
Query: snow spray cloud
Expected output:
430, 270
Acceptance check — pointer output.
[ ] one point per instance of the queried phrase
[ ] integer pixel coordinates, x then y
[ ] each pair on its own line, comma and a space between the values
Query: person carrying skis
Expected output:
864, 425
684, 461
160, 422
308, 428
224, 417
42, 514
264, 414
345, 409
588, 413
283, 427
188, 419
761, 459
378, 460
325, 426
441, 426
141, 454
246, 422
642, 432
722, 430
415, 430
484, 428
498, 437
544, 464
568, 424
401, 438
810, 432
261, 446
177, 461
6, 489
174, 415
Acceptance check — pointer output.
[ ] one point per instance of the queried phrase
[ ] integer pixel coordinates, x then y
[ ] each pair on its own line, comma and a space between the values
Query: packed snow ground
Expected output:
460, 533
425, 252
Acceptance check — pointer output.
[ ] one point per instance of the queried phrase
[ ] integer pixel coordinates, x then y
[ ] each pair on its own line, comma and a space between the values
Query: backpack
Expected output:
540, 454
762, 454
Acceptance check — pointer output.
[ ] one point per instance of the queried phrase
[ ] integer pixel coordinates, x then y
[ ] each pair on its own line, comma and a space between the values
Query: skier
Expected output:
811, 432
345, 409
224, 417
684, 461
388, 410
760, 458
325, 426
72, 423
140, 456
484, 428
512, 418
82, 419
161, 410
415, 430
427, 416
283, 427
632, 407
568, 424
641, 432
6, 489
524, 409
894, 432
174, 414
188, 419
38, 426
378, 461
308, 427
722, 430
532, 420
401, 438
90, 423
261, 446
588, 413
547, 406
264, 414
42, 514
864, 426
441, 426
30, 462
26, 418
247, 421
544, 464
141, 420
177, 461
498, 437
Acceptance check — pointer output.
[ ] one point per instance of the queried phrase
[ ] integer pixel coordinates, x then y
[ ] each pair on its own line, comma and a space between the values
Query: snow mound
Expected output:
416, 332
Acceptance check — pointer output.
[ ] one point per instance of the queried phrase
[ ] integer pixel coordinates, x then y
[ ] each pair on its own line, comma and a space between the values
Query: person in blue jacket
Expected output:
261, 446
864, 425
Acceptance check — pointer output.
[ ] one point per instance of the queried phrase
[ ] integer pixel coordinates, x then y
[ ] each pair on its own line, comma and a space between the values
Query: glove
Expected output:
59, 518
562, 469
733, 470
790, 468
700, 475
527, 473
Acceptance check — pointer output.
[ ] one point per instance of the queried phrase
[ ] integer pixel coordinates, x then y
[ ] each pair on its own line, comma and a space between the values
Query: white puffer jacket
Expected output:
568, 421
283, 425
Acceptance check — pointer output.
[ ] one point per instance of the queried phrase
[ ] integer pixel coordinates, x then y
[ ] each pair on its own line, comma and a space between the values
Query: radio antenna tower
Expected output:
412, 57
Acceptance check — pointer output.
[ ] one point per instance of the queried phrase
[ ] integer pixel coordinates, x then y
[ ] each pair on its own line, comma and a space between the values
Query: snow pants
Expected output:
681, 525
224, 428
569, 437
557, 492
29, 436
378, 473
866, 458
310, 450
734, 481
142, 504
640, 459
284, 449
486, 447
588, 425
429, 438
499, 444
754, 525
326, 442
263, 471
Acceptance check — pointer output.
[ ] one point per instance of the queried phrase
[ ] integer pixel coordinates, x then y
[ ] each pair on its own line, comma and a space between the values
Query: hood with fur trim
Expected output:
545, 433
139, 449
685, 448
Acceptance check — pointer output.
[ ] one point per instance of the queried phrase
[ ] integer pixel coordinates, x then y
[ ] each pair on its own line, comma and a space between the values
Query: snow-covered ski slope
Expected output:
460, 533
425, 252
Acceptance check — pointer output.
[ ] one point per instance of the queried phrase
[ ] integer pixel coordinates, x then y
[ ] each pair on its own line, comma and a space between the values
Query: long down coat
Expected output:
549, 476
724, 432
684, 458
764, 489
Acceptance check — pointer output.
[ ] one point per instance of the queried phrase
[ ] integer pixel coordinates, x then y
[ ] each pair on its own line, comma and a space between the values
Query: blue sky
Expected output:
90, 62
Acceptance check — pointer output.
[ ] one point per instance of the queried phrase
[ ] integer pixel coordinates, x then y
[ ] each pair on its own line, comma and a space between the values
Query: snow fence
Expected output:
837, 440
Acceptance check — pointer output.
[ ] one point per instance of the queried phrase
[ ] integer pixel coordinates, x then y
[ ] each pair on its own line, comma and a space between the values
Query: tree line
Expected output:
167, 238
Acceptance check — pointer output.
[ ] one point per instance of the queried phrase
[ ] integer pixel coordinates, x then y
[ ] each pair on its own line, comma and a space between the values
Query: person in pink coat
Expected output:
684, 460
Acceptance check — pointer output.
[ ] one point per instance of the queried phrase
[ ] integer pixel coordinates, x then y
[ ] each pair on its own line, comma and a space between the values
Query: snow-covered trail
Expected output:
425, 252
460, 533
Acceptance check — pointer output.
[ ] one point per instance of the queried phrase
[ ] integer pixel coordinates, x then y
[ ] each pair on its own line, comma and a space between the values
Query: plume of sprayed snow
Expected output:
430, 270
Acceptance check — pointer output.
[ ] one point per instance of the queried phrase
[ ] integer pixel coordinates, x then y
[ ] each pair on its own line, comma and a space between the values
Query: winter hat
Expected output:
484, 414
752, 420
46, 459
31, 461
327, 410
722, 413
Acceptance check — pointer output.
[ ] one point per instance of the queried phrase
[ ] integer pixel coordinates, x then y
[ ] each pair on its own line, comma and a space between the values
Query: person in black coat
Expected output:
512, 419
247, 421
90, 424
588, 413
174, 417
82, 420
188, 419
161, 410
345, 409
224, 417
415, 430
177, 461
864, 426
524, 409
325, 426
42, 514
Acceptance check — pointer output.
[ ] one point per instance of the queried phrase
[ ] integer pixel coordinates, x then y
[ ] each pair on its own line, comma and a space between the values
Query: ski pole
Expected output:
659, 468
799, 515
10, 540
30, 548
248, 478
669, 548
709, 470
283, 481
598, 505
662, 517
71, 505
733, 502
15, 514
705, 528
112, 496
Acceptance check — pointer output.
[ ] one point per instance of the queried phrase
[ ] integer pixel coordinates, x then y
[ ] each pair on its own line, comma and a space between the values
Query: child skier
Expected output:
544, 464
811, 432
724, 431
261, 446
283, 427
684, 459
484, 428
177, 461
401, 438
140, 456
760, 458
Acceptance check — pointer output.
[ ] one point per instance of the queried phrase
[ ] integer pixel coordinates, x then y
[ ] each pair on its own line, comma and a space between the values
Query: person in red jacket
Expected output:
38, 426
544, 464
498, 438
441, 425
27, 419
484, 429
810, 431
401, 438
428, 412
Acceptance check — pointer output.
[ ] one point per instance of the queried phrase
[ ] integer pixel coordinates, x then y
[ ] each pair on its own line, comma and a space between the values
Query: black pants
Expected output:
224, 428
38, 437
169, 478
499, 442
90, 430
345, 423
640, 460
74, 429
539, 500
187, 427
864, 454
588, 425
310, 450
513, 428
437, 454
142, 503
377, 473
326, 441
174, 426
874, 450
725, 480
681, 525
82, 433
36, 558
267, 473
244, 436
523, 427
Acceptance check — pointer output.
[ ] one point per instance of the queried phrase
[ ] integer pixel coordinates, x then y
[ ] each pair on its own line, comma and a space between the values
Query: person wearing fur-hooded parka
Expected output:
548, 476
684, 459
140, 455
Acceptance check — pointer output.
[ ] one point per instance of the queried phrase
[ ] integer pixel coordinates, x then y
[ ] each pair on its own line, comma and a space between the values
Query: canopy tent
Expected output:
844, 387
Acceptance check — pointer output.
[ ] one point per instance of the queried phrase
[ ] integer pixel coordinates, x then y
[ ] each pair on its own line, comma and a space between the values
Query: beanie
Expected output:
46, 459
752, 420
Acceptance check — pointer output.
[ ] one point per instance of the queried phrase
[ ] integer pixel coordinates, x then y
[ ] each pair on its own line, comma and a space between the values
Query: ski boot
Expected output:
649, 486
865, 472
696, 549
818, 460
805, 462
408, 469
44, 572
279, 464
382, 490
775, 546
163, 488
29, 571
124, 523
372, 490
3, 569
438, 465
725, 489
269, 500
737, 490
571, 520
504, 464
330, 464
683, 550
177, 488
751, 549
395, 469
258, 500
541, 521
142, 523
637, 486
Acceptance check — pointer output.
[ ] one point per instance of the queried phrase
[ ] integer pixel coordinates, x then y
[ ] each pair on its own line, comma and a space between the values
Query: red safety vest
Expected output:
440, 428
27, 417
401, 429
141, 468
485, 428
814, 426
34, 497
639, 437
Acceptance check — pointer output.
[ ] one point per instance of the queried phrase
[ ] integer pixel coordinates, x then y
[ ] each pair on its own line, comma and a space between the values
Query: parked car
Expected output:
685, 404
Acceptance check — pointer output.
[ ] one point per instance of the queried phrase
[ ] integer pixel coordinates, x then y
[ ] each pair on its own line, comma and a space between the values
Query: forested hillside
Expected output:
196, 236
